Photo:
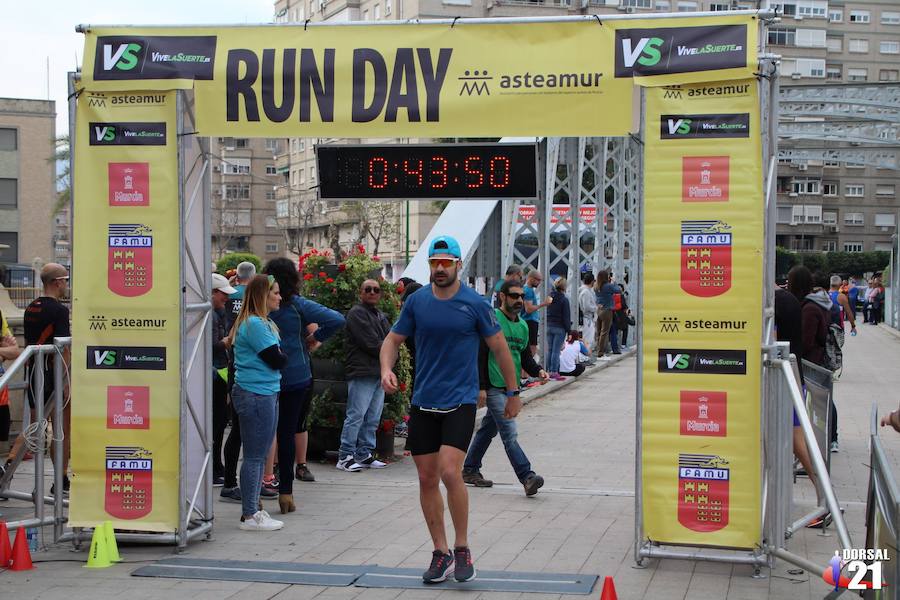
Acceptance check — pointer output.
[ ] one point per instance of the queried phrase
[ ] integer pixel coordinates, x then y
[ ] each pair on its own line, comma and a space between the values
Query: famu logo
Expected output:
660, 51
721, 125
154, 57
127, 134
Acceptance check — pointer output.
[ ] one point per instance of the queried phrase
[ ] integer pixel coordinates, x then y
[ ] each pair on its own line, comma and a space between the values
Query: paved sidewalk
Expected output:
580, 437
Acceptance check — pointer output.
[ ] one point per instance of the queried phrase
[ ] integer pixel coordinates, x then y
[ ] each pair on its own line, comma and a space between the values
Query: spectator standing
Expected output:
46, 318
303, 325
852, 295
877, 310
493, 385
9, 350
559, 324
514, 274
587, 306
244, 273
840, 299
258, 361
220, 293
530, 312
606, 291
366, 329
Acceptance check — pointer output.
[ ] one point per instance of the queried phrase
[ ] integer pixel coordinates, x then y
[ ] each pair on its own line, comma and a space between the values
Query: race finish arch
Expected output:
149, 97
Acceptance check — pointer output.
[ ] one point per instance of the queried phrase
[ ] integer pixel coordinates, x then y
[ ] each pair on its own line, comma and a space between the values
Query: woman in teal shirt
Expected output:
257, 362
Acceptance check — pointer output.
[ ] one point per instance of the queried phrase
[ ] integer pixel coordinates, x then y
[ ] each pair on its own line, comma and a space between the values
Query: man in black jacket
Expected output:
366, 328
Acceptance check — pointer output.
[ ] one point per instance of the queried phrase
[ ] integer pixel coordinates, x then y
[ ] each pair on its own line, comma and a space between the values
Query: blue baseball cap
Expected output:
444, 245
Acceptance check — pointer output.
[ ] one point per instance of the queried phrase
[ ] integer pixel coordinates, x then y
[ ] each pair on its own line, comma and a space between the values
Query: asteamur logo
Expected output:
477, 82
664, 50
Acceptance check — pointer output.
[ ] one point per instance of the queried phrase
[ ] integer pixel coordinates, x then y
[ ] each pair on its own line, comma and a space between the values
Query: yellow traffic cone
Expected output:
112, 548
98, 558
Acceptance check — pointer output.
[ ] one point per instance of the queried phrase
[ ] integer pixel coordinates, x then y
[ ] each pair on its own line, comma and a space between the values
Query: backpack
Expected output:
834, 341
617, 301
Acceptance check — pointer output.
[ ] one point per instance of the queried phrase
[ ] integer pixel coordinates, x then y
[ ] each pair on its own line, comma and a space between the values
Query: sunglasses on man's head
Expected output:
445, 263
271, 279
372, 290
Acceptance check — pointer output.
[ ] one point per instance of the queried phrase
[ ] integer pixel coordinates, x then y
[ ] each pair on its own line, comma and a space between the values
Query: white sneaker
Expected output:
261, 521
370, 463
348, 464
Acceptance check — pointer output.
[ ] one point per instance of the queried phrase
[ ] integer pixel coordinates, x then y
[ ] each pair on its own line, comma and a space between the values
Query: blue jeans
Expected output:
614, 335
258, 415
365, 400
555, 338
494, 422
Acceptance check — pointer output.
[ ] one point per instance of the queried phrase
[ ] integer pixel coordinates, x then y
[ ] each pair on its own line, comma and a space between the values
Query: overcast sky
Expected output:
32, 31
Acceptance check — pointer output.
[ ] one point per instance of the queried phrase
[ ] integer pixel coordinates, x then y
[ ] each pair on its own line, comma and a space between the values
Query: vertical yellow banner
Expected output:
703, 277
126, 377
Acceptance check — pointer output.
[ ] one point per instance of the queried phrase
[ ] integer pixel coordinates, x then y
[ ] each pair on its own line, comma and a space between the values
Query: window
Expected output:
717, 6
312, 174
835, 15
9, 193
889, 47
241, 143
687, 6
835, 44
271, 247
806, 187
786, 9
233, 167
272, 145
365, 15
302, 175
890, 18
829, 246
271, 222
784, 214
857, 74
8, 139
829, 217
806, 214
885, 220
270, 170
270, 194
885, 189
377, 11
829, 188
281, 209
811, 38
312, 7
888, 75
831, 164
637, 3
854, 218
853, 246
809, 67
855, 190
813, 10
782, 37
833, 73
237, 191
236, 218
858, 46
859, 16
663, 5
387, 6
301, 145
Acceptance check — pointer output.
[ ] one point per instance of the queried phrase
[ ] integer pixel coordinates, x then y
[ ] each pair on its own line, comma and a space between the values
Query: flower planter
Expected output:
384, 444
323, 440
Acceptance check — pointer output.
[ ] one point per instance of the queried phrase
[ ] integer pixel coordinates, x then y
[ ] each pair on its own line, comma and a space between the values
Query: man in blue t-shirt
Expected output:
447, 321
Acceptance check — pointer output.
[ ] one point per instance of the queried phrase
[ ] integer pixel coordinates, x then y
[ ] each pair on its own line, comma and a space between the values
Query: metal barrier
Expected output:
819, 383
54, 406
882, 511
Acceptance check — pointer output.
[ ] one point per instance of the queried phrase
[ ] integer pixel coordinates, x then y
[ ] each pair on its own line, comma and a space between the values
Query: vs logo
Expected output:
679, 126
122, 57
646, 52
678, 361
104, 133
105, 358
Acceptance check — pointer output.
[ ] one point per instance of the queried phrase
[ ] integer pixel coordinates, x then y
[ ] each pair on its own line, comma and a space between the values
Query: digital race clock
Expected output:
441, 171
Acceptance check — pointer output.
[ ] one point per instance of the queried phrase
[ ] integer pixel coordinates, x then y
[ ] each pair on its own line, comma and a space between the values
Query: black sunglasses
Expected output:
514, 295
372, 290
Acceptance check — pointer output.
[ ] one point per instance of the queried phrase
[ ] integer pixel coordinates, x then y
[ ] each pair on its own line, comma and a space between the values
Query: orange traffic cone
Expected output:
21, 555
5, 548
609, 590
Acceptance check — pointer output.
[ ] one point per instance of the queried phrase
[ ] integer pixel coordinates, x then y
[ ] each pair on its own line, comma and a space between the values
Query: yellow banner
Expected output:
572, 78
702, 313
126, 313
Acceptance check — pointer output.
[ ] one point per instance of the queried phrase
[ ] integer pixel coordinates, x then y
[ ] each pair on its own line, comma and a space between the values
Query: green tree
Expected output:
230, 261
784, 261
63, 176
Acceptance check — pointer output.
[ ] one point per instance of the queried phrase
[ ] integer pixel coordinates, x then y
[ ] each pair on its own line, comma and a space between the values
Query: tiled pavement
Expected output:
580, 437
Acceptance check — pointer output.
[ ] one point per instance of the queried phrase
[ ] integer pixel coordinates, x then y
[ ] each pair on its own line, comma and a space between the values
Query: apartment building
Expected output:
27, 180
821, 206
244, 187
832, 206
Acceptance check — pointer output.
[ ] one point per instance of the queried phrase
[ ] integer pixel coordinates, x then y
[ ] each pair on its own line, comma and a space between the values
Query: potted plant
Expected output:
336, 285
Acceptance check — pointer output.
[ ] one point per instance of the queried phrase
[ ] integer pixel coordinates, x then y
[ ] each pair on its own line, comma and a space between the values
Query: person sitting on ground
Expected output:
569, 363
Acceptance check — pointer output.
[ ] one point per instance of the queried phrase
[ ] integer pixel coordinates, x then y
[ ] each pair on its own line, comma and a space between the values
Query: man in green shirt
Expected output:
511, 298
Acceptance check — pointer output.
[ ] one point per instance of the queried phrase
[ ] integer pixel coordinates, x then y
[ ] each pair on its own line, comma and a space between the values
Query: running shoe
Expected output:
348, 464
441, 564
465, 570
302, 473
267, 492
557, 377
370, 463
477, 479
65, 487
835, 448
532, 484
821, 522
218, 481
261, 521
230, 494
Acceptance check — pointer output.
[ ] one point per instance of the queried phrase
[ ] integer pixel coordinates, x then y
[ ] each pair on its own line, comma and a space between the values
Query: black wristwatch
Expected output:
512, 394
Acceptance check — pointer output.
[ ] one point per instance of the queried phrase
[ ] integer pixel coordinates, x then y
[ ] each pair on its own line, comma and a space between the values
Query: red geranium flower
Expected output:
329, 280
360, 248
376, 259
322, 274
342, 267
308, 276
402, 387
